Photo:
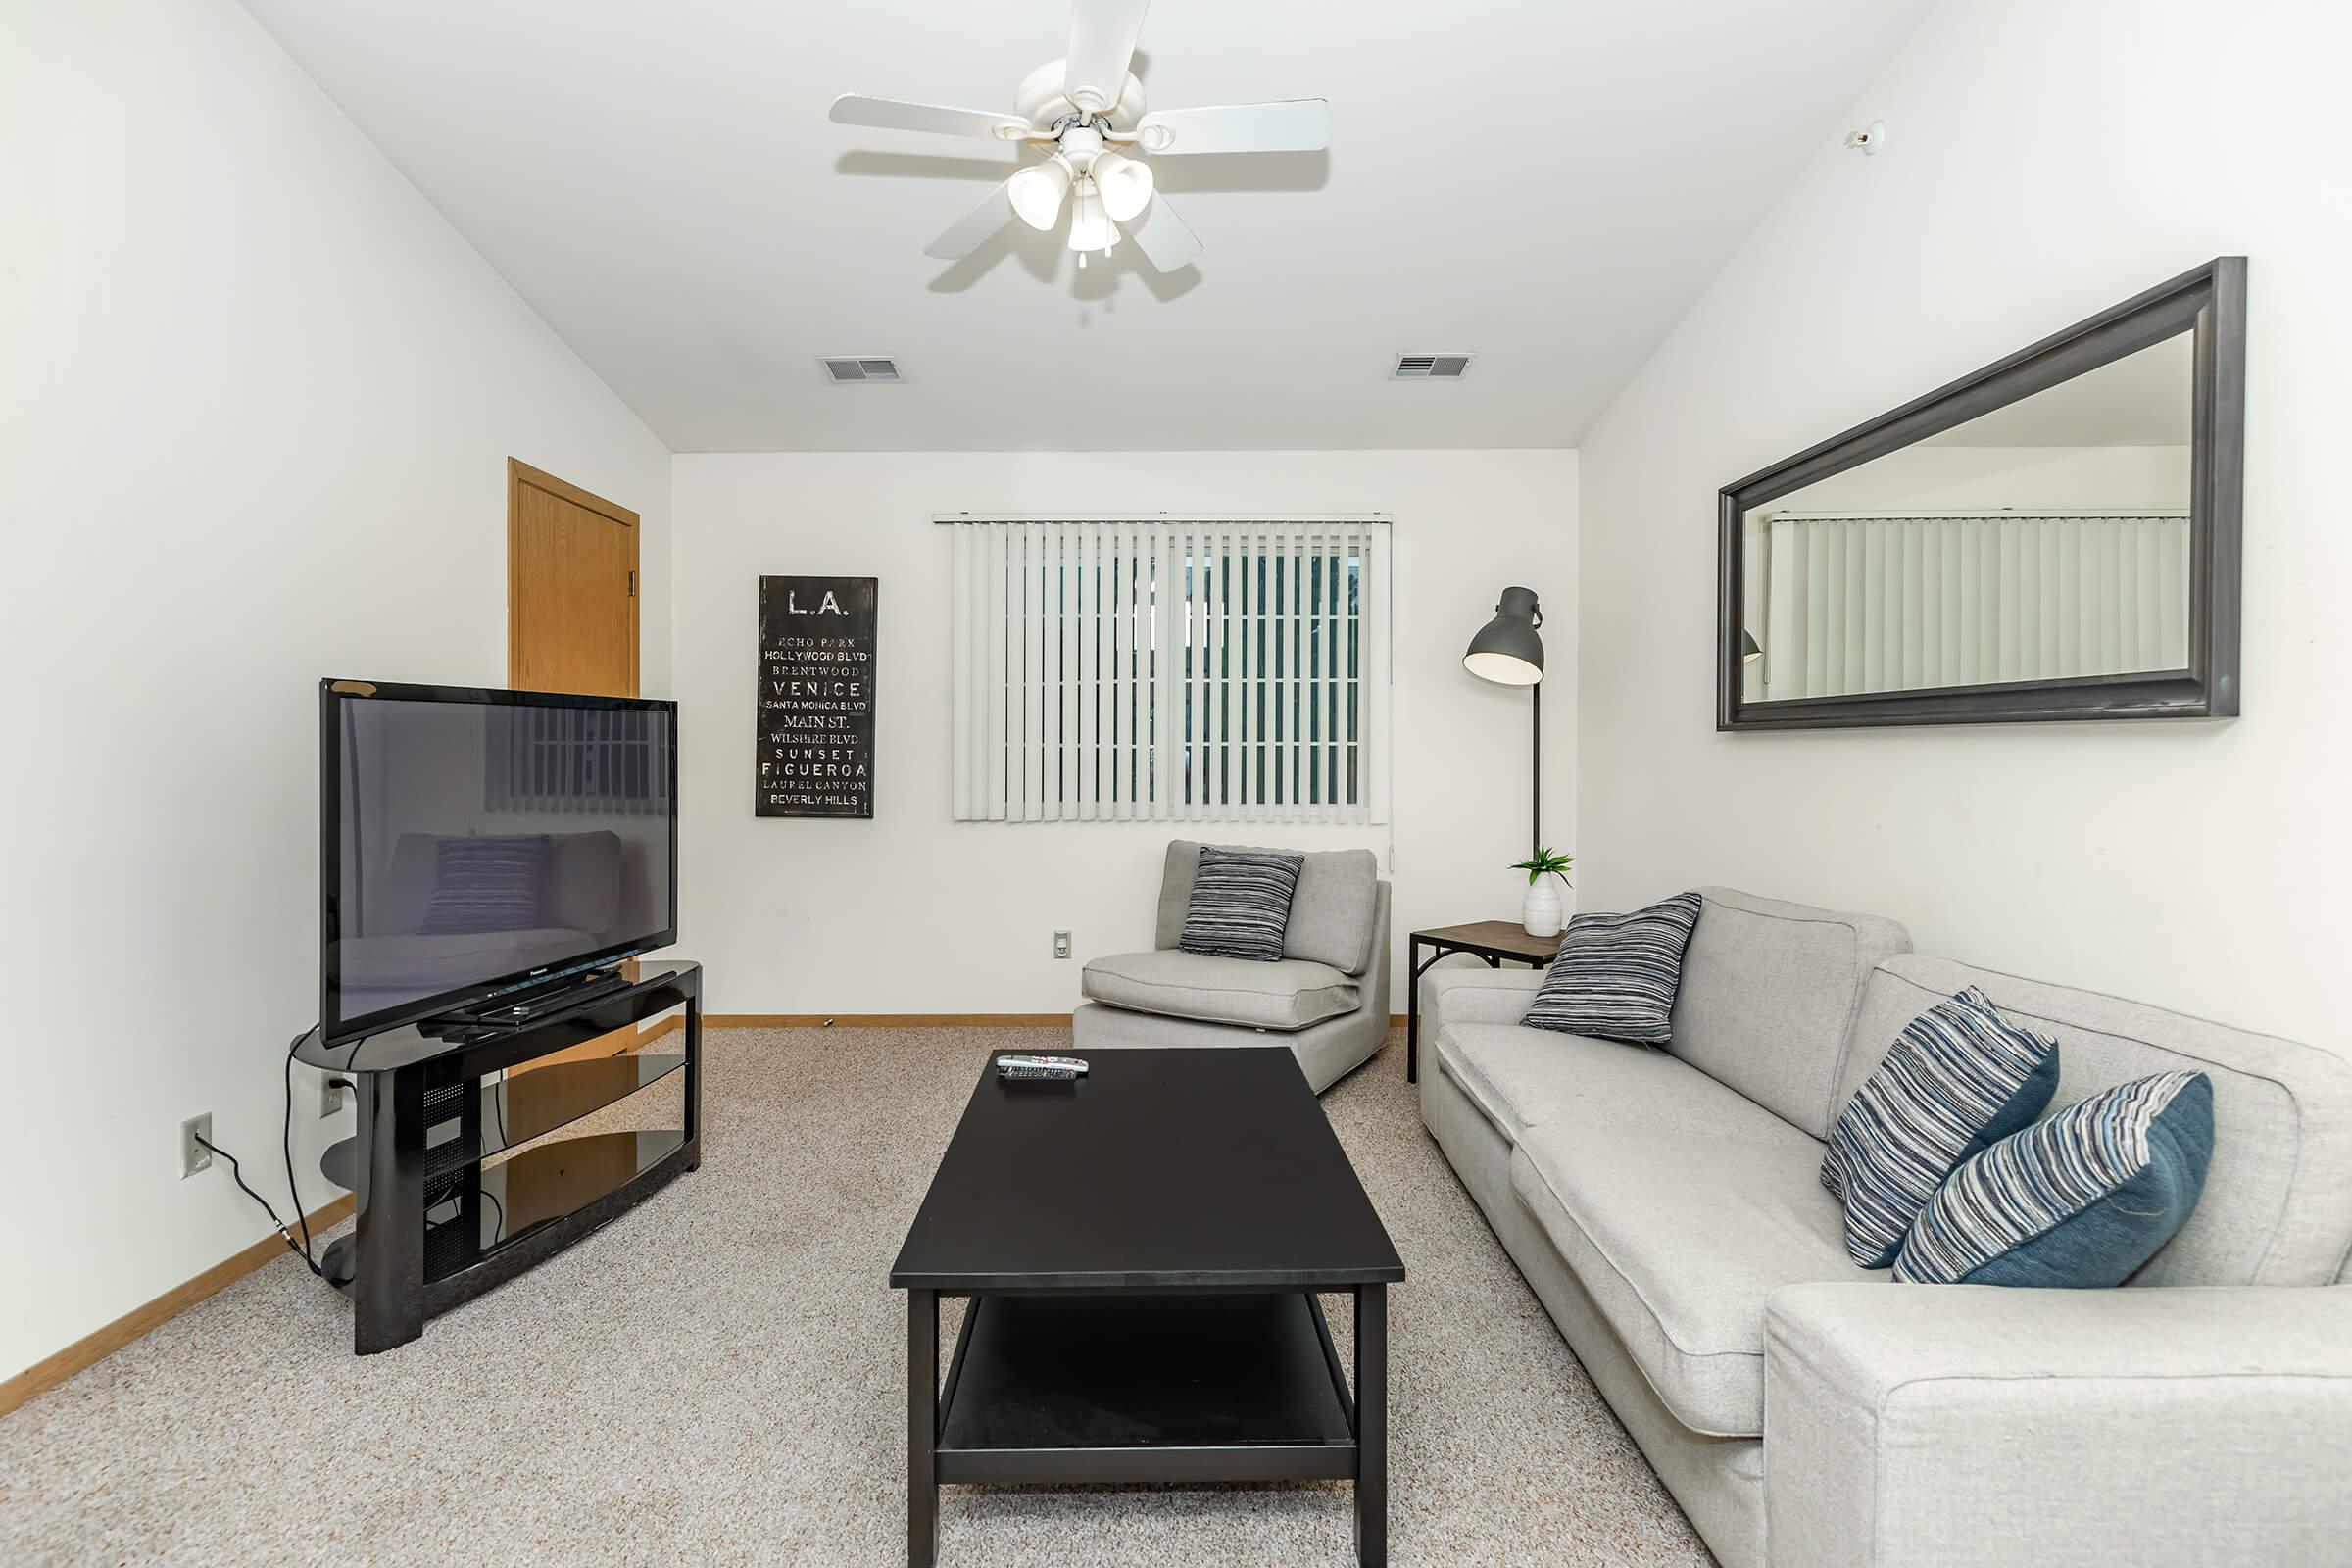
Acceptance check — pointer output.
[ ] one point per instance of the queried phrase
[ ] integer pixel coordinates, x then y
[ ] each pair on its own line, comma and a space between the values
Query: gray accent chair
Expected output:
1666, 1206
1327, 998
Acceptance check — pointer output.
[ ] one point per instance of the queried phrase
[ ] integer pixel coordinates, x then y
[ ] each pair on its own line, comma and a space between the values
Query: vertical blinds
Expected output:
566, 759
1201, 669
1868, 604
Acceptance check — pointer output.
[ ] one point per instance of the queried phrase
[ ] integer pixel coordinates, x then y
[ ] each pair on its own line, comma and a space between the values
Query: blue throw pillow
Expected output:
2080, 1200
1615, 975
1958, 1078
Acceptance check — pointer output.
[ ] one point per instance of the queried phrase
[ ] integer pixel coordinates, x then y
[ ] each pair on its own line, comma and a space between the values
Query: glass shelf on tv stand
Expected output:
514, 1110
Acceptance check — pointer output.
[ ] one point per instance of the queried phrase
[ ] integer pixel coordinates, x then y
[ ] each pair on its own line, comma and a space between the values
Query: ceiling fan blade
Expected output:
1166, 240
1102, 35
891, 113
1293, 126
969, 233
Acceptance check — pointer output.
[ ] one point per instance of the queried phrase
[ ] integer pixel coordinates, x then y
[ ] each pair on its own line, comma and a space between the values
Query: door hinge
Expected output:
632, 585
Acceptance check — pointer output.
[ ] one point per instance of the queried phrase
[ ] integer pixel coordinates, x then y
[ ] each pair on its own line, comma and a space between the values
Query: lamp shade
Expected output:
1125, 183
1508, 651
1037, 192
1090, 224
1749, 653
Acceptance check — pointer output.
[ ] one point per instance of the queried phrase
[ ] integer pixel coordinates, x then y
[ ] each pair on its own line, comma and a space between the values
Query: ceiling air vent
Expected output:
1430, 367
863, 369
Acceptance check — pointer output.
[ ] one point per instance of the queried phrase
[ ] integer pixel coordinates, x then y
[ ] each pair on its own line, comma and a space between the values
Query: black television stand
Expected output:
442, 1217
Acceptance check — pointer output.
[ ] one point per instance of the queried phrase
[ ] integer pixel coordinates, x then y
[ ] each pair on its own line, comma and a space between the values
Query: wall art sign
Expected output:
816, 749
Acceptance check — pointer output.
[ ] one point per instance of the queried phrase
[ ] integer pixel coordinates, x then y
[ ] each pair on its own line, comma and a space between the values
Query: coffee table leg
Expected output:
1372, 1425
922, 1427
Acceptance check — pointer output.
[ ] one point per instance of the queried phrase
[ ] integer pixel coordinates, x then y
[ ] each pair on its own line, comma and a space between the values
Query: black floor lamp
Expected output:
1510, 653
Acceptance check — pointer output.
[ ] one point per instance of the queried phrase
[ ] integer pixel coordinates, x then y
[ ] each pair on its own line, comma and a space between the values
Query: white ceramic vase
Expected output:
1541, 913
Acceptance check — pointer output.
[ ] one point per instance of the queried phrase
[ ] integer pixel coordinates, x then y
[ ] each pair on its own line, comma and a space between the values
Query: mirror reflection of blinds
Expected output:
1898, 602
566, 759
1167, 668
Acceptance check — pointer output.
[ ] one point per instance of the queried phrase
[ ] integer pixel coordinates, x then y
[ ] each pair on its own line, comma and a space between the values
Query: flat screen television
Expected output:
475, 843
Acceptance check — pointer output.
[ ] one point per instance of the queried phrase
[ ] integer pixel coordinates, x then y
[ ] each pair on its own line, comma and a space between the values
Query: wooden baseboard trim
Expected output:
887, 1021
667, 1026
87, 1352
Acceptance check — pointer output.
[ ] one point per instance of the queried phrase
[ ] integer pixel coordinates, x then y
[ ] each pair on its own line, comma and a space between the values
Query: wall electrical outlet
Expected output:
193, 1155
331, 1090
1062, 944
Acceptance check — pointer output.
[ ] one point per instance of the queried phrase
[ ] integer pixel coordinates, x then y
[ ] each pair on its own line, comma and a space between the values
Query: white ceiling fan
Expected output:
1088, 111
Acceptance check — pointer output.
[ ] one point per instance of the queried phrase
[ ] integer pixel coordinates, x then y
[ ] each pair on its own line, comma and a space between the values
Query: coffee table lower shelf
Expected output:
1111, 1387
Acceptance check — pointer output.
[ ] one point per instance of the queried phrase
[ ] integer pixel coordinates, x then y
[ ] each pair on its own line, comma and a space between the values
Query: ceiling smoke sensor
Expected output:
1430, 367
863, 369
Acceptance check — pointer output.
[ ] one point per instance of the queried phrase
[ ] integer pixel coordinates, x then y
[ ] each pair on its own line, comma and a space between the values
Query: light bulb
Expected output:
1125, 183
1090, 224
1037, 192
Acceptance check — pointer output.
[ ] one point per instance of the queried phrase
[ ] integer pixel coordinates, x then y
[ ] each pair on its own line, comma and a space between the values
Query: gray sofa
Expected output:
1666, 1207
1327, 998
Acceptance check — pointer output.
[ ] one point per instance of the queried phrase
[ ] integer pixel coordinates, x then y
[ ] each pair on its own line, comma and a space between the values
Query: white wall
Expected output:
255, 405
2046, 159
915, 912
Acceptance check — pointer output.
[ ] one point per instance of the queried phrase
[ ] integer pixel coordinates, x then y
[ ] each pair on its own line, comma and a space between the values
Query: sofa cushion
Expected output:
1287, 994
1240, 901
1960, 1079
2278, 1201
1769, 993
1520, 1078
2079, 1201
1614, 976
1332, 914
1679, 1235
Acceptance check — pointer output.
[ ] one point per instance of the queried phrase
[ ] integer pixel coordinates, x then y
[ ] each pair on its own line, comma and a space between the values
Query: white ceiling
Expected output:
1545, 183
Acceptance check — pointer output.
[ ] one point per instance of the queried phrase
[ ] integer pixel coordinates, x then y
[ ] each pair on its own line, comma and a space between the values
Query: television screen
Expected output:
474, 842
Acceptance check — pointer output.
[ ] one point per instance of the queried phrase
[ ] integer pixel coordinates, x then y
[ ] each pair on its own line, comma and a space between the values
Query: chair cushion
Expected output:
1287, 994
1615, 975
1333, 914
2079, 1201
1240, 901
1960, 1078
1679, 1235
491, 883
1520, 1078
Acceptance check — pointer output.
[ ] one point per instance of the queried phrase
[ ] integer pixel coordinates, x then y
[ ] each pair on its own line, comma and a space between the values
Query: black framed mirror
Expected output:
2053, 537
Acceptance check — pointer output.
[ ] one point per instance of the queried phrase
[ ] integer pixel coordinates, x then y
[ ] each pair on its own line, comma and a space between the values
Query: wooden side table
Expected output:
1491, 939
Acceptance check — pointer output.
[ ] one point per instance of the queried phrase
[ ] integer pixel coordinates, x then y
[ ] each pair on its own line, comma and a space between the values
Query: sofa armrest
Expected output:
1471, 993
1962, 1425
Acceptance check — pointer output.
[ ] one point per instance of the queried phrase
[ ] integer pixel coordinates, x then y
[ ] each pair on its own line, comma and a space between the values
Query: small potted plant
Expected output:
1543, 912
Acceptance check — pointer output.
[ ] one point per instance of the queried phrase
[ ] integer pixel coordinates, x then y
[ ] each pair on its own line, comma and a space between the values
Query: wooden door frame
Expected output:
521, 475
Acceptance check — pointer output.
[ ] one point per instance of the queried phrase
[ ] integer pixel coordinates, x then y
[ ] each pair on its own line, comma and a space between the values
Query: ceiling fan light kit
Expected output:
1095, 132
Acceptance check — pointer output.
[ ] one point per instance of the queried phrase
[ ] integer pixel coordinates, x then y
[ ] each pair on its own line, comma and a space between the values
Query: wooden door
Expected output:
571, 588
571, 613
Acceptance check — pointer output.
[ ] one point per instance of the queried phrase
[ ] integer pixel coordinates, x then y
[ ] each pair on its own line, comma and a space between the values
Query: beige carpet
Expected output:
718, 1377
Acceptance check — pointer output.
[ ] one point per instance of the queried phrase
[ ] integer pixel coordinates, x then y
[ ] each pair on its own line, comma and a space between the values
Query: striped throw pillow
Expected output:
1615, 975
491, 883
1241, 903
2081, 1200
1959, 1077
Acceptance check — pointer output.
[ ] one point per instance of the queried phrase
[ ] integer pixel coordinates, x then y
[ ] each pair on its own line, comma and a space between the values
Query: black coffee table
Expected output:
1142, 1250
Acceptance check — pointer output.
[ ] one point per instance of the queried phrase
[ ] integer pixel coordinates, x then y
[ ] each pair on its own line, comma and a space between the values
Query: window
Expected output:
1203, 670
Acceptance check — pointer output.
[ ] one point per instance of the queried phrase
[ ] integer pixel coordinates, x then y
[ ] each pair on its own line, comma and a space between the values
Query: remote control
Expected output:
1059, 1069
